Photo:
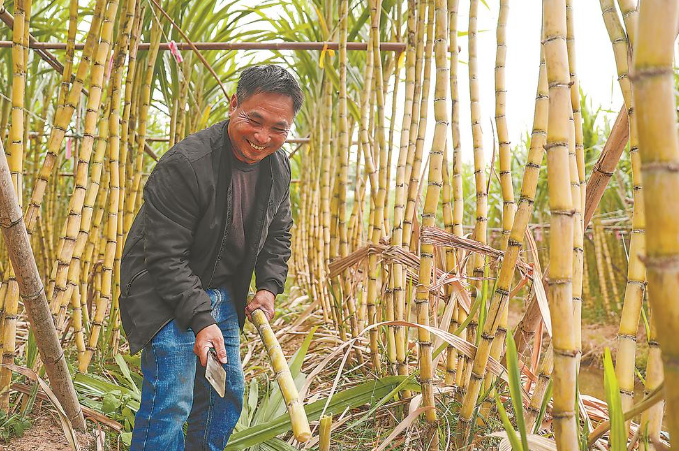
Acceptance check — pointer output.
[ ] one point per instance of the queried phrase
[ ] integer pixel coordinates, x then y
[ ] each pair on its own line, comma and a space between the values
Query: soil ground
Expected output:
46, 434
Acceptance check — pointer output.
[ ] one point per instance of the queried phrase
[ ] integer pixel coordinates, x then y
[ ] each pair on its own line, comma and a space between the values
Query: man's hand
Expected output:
263, 300
210, 337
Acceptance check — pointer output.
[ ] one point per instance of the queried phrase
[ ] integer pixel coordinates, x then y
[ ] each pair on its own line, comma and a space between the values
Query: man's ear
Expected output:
233, 103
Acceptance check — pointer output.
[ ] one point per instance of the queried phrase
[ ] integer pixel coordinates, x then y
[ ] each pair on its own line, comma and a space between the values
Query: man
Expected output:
216, 209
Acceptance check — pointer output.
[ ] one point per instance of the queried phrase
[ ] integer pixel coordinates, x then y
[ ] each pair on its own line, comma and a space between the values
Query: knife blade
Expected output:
214, 373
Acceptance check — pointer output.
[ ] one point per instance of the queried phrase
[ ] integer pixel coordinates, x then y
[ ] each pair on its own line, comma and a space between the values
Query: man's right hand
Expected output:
210, 337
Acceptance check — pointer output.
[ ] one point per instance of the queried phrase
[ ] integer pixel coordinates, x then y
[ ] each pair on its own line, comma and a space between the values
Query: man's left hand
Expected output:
263, 300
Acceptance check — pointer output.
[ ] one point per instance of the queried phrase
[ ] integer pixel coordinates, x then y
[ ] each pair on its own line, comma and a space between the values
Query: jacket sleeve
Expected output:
272, 262
172, 211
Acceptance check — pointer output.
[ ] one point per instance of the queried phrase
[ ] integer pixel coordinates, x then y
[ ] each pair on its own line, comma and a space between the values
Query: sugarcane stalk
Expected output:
636, 271
324, 431
508, 204
655, 104
651, 419
63, 117
431, 203
561, 225
129, 13
105, 298
454, 360
31, 290
298, 418
500, 297
400, 192
578, 183
481, 214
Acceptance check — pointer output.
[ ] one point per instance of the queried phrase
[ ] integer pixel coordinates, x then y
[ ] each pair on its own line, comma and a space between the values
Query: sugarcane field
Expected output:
339, 225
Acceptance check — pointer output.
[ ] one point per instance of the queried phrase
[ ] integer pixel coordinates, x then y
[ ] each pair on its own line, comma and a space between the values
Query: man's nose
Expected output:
262, 136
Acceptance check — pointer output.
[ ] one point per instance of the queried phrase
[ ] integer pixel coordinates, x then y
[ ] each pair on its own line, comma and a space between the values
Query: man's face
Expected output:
259, 126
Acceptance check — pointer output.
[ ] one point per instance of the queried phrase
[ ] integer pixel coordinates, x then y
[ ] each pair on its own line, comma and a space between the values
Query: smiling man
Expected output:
216, 209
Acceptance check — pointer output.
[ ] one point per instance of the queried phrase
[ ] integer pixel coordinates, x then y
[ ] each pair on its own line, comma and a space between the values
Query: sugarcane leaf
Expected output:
126, 372
384, 400
298, 358
507, 425
352, 397
276, 444
514, 375
543, 407
618, 437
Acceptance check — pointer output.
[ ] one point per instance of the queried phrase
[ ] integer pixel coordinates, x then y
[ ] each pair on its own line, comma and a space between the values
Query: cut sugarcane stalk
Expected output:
324, 433
300, 423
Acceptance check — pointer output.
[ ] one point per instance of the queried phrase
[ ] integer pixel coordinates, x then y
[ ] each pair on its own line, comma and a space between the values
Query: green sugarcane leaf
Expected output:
352, 397
296, 362
543, 407
515, 389
511, 433
618, 437
126, 372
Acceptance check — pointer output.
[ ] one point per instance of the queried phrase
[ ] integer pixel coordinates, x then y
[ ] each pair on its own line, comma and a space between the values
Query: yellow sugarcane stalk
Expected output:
636, 271
481, 217
324, 431
105, 297
544, 373
63, 117
70, 51
655, 105
578, 181
431, 203
418, 133
455, 360
651, 419
508, 204
59, 295
129, 13
298, 418
500, 297
400, 192
8, 320
561, 225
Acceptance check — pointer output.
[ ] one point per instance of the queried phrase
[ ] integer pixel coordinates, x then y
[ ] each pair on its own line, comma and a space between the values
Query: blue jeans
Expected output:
175, 389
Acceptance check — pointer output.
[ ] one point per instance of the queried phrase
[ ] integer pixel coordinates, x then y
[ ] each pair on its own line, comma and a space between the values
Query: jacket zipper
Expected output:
225, 232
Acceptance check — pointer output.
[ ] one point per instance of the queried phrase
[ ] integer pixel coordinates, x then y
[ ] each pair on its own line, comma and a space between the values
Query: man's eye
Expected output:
280, 130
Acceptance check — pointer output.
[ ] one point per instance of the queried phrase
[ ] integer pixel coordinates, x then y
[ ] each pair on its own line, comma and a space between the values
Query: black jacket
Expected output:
171, 253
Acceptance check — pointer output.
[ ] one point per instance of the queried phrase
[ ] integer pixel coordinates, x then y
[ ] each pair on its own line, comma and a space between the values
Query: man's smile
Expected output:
255, 146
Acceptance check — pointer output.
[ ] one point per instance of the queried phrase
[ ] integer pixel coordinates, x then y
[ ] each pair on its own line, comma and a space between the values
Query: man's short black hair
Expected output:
269, 78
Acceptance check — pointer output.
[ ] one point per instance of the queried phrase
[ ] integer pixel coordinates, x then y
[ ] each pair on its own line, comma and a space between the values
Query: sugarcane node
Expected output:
566, 352
568, 414
660, 263
626, 392
33, 296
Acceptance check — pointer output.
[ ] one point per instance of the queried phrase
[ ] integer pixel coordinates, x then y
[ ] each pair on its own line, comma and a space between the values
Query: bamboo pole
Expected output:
656, 122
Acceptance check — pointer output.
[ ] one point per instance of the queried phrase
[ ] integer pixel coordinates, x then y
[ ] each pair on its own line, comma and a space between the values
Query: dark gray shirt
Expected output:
243, 187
